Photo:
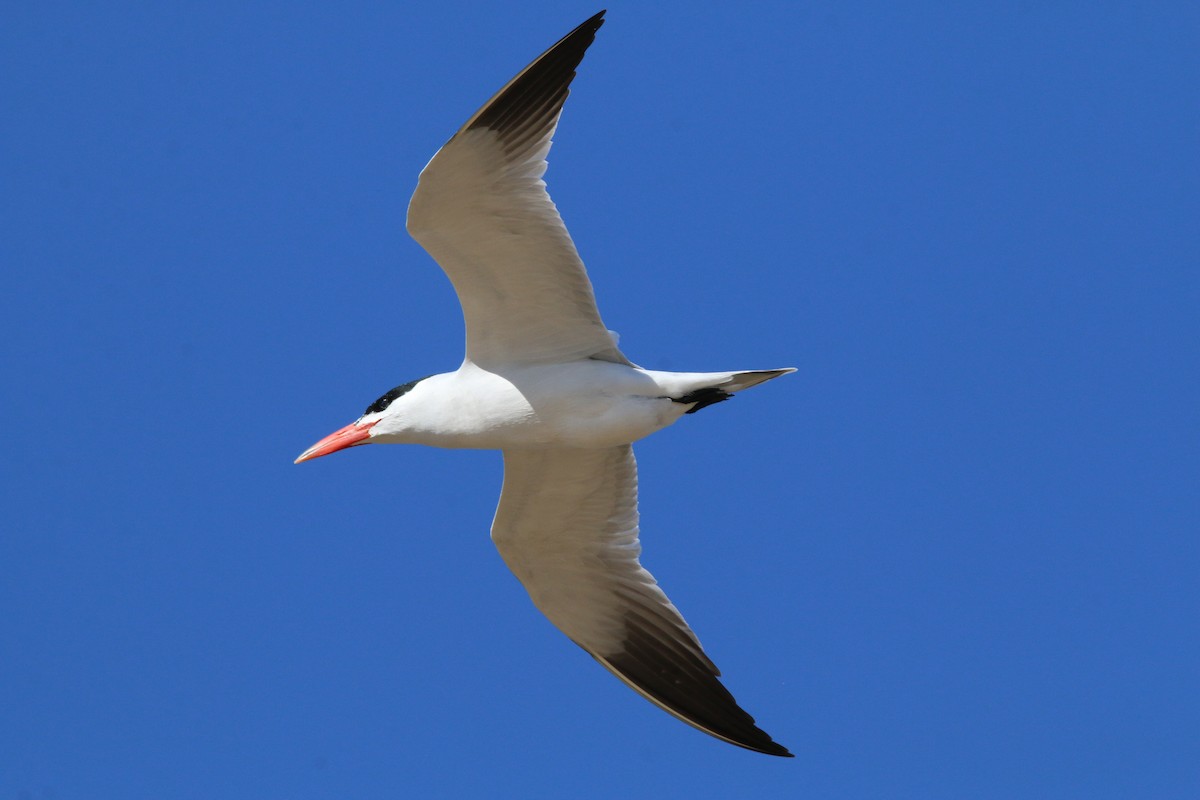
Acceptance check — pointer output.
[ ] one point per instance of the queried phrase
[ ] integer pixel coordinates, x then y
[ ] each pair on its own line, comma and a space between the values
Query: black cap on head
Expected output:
386, 399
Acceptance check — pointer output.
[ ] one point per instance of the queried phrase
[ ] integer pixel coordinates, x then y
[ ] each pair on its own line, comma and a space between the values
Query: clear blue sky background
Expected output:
954, 556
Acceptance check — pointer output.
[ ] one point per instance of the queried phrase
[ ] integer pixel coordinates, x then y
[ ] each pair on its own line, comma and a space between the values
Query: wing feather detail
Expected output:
482, 211
567, 526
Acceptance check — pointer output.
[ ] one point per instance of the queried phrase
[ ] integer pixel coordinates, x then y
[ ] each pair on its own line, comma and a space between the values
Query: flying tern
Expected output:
543, 381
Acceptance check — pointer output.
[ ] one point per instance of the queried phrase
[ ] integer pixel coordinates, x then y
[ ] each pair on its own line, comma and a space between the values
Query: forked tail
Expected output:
744, 380
722, 386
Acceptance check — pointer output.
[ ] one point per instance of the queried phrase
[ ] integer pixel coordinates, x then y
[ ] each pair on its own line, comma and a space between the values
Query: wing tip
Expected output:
525, 109
688, 690
749, 737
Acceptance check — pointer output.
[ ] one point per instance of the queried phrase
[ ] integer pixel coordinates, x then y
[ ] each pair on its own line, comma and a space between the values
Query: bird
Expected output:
544, 381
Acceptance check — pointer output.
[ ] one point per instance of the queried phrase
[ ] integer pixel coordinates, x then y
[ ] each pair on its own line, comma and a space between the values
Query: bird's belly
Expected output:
594, 404
603, 420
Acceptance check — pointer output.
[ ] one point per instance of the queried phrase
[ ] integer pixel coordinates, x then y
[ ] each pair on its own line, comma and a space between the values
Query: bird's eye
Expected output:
389, 396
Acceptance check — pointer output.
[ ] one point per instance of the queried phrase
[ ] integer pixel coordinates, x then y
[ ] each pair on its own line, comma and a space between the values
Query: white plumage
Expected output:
544, 381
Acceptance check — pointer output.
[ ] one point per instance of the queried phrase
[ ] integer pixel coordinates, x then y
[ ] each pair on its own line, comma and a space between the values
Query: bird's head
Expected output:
383, 420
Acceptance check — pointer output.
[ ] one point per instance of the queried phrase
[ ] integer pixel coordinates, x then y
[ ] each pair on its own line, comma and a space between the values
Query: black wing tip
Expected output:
730, 723
594, 21
528, 105
579, 39
678, 682
762, 744
775, 749
586, 28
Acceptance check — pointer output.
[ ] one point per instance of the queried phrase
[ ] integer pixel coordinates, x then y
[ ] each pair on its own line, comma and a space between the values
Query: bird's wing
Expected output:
567, 526
482, 211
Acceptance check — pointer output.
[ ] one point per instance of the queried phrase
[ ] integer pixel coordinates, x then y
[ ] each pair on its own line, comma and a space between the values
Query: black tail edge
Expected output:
703, 398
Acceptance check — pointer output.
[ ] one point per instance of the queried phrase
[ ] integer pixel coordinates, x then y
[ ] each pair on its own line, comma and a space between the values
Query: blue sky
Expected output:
955, 555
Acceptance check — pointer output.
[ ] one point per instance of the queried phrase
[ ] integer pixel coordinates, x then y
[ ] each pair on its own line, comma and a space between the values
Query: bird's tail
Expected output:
744, 380
702, 389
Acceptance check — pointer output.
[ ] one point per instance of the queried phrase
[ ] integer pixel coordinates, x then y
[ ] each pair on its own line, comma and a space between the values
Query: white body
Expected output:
544, 381
584, 403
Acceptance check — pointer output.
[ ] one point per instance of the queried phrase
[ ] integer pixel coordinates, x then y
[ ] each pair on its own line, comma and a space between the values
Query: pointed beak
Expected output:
352, 434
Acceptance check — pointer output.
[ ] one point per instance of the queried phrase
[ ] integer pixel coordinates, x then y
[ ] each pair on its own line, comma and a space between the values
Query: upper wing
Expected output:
567, 526
482, 211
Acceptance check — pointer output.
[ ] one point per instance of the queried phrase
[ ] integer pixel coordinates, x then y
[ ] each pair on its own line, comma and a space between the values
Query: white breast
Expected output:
579, 404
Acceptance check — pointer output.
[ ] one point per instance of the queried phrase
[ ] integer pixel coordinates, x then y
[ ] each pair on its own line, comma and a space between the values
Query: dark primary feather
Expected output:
656, 662
527, 107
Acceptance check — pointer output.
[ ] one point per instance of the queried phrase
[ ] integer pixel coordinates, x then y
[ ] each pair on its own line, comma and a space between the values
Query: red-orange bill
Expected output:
352, 434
